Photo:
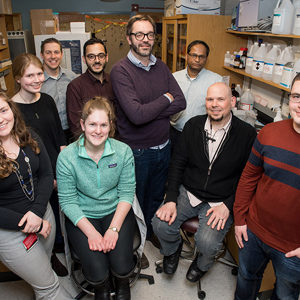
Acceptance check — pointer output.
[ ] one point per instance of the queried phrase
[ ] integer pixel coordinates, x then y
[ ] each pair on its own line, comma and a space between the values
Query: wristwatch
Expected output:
115, 229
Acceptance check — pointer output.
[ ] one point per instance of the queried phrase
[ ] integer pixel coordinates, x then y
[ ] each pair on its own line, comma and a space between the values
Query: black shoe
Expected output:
58, 267
144, 262
170, 263
155, 241
194, 273
122, 288
102, 290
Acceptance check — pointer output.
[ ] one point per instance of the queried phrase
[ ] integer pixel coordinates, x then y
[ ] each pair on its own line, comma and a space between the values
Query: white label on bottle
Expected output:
278, 69
246, 106
277, 19
249, 61
258, 65
287, 76
268, 68
297, 21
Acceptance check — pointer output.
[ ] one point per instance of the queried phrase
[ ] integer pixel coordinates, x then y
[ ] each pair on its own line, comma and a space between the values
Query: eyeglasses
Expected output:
140, 35
295, 98
195, 56
93, 56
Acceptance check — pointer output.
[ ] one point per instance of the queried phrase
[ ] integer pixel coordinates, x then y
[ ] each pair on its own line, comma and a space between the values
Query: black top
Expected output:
43, 118
190, 162
13, 202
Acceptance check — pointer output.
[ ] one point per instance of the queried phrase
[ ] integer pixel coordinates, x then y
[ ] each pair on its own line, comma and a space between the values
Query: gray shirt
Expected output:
56, 88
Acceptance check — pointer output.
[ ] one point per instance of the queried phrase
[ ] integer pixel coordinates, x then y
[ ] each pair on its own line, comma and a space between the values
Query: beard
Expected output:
96, 72
137, 50
216, 119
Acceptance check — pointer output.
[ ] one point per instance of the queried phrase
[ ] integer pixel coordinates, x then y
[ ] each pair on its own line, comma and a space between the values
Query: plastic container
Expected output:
278, 116
287, 74
247, 100
296, 27
285, 56
270, 60
283, 17
250, 54
258, 61
227, 59
237, 62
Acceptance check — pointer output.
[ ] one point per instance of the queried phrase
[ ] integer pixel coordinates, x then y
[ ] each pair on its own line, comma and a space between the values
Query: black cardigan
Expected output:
190, 162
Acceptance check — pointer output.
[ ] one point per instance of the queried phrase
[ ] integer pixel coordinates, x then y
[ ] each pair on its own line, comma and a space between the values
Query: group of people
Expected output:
95, 178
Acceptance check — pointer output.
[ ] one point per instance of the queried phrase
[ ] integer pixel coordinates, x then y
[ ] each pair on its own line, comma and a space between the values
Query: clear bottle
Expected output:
287, 74
247, 100
249, 60
270, 62
227, 59
237, 62
258, 61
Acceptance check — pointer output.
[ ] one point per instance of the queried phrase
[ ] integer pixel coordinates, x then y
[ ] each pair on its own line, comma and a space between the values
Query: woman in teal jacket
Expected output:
96, 187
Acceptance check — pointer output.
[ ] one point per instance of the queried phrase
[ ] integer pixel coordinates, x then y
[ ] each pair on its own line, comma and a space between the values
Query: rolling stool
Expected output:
87, 289
188, 229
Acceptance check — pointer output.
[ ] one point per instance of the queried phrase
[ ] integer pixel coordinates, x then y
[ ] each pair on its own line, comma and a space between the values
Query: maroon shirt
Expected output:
82, 89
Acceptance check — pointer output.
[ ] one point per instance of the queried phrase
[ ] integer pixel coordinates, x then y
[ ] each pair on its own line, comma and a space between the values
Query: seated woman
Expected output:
96, 187
27, 225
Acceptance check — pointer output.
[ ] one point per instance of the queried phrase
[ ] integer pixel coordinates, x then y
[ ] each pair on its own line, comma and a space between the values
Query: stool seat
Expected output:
190, 225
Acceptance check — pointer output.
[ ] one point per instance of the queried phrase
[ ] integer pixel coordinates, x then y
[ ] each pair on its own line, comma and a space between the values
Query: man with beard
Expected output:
194, 81
56, 78
146, 96
206, 165
94, 82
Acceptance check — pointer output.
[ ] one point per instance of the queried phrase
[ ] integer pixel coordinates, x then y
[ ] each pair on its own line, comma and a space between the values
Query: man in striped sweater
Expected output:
267, 208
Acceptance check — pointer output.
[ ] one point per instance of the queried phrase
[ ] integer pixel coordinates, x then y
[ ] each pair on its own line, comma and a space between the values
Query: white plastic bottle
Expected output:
227, 59
249, 60
270, 62
278, 116
283, 17
285, 56
258, 61
247, 100
287, 74
296, 27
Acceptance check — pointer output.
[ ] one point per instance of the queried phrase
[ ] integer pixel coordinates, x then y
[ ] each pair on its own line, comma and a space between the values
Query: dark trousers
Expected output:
59, 240
96, 265
151, 170
174, 136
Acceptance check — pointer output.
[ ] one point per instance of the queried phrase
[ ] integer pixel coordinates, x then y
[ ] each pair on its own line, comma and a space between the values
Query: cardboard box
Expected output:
77, 27
42, 21
5, 7
65, 18
203, 7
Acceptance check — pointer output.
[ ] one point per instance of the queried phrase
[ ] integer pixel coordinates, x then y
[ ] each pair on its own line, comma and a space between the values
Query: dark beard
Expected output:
216, 120
136, 50
96, 73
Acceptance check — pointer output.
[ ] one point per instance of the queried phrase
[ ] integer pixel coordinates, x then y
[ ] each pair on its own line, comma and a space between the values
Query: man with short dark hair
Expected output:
267, 208
94, 82
194, 81
56, 78
204, 171
146, 96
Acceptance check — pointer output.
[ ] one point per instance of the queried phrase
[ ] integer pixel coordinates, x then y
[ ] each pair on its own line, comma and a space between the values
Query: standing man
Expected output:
146, 96
56, 78
206, 165
267, 208
94, 82
194, 82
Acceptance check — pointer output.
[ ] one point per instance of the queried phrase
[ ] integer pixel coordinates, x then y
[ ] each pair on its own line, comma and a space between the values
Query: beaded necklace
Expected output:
29, 193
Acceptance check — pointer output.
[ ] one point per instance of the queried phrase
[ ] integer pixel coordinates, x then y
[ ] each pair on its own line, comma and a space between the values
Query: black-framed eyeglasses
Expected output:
99, 55
195, 56
140, 35
295, 98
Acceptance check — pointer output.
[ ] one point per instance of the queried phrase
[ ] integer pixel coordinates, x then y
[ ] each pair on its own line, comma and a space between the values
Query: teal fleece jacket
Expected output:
87, 189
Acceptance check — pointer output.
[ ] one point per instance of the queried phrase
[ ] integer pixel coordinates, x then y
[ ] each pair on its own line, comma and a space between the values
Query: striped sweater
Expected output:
268, 194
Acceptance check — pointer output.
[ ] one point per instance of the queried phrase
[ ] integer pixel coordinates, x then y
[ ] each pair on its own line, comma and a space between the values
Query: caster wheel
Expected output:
151, 281
234, 271
159, 269
201, 295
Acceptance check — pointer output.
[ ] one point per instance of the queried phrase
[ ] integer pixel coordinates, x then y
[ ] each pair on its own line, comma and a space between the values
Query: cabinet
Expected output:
178, 31
5, 71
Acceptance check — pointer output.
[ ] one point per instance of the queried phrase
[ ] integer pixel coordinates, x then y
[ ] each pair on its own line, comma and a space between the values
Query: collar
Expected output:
108, 149
92, 78
198, 75
61, 71
226, 126
139, 64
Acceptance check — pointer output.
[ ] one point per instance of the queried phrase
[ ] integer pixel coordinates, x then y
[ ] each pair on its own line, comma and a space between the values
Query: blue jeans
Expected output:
208, 241
151, 171
253, 259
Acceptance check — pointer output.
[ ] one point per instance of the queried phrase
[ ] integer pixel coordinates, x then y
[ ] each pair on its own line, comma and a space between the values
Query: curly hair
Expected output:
20, 134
